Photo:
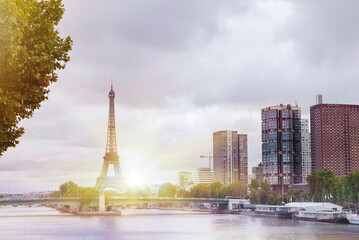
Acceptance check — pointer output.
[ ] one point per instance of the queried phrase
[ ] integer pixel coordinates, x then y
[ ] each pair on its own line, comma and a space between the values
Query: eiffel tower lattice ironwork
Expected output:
111, 156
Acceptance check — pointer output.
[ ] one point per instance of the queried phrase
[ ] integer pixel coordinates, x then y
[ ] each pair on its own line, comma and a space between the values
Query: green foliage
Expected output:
88, 195
71, 189
305, 196
325, 186
292, 195
261, 195
167, 190
215, 189
31, 51
201, 190
254, 184
278, 199
226, 191
218, 190
264, 192
181, 193
68, 189
271, 199
254, 196
239, 189
321, 184
55, 194
346, 188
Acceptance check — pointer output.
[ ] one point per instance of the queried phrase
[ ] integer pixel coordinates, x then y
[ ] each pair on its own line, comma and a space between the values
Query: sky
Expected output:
181, 70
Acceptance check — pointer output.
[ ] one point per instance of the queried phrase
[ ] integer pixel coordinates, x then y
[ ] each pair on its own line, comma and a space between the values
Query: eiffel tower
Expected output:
111, 157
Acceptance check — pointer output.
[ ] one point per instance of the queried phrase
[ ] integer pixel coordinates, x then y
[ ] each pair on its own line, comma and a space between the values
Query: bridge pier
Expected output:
101, 204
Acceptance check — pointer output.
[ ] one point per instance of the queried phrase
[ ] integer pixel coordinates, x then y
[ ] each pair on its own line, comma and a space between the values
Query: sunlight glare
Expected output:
134, 179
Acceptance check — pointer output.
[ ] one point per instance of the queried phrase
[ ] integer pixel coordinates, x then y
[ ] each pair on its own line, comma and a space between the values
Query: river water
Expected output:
42, 223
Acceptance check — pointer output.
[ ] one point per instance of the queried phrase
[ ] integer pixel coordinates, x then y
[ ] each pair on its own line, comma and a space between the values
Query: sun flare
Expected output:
134, 179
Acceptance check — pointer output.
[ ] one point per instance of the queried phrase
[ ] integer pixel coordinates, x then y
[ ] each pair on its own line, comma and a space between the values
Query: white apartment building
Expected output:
185, 180
203, 175
306, 151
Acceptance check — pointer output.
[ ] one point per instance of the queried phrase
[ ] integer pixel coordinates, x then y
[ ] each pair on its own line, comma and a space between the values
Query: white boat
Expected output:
273, 211
353, 218
320, 214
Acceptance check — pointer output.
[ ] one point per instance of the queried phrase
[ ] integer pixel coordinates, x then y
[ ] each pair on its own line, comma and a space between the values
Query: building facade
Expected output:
257, 173
306, 151
185, 180
335, 137
249, 179
230, 157
281, 146
203, 175
243, 157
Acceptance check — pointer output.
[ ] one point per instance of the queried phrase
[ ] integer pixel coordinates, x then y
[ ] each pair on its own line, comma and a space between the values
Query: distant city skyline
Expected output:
182, 70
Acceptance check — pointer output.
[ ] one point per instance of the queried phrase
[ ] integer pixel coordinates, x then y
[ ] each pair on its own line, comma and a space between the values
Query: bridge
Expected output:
112, 201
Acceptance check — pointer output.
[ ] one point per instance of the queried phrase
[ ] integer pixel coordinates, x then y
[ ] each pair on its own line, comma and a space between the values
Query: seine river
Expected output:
45, 223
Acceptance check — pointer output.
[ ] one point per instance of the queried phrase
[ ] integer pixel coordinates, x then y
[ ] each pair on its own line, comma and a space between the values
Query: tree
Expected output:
55, 194
239, 189
254, 184
226, 191
279, 199
321, 184
293, 194
264, 192
182, 193
271, 199
31, 51
88, 195
68, 187
214, 189
167, 190
305, 196
254, 196
201, 190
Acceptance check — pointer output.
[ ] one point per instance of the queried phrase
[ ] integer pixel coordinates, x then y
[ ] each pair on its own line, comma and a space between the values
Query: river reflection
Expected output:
46, 223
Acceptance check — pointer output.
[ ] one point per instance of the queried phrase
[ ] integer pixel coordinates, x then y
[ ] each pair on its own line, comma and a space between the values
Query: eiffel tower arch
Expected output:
111, 157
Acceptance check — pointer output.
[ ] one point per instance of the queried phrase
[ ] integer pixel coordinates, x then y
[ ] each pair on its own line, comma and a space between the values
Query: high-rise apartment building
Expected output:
281, 146
335, 137
257, 173
230, 157
185, 180
243, 157
203, 175
306, 152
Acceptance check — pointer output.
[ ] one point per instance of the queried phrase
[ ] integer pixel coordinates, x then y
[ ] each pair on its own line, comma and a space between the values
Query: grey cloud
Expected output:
181, 70
229, 64
325, 31
139, 44
160, 24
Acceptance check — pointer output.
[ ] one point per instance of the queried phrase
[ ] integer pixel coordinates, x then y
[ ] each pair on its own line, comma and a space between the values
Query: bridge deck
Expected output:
112, 201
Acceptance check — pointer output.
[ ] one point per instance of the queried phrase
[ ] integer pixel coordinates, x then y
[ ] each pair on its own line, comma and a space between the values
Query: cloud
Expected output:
181, 70
324, 32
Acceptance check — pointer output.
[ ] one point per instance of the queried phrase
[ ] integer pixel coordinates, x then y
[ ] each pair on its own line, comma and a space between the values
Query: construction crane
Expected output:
209, 158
